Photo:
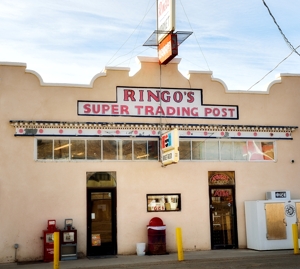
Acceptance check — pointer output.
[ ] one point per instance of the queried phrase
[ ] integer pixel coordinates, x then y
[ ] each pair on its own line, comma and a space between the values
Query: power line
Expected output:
284, 37
195, 36
294, 50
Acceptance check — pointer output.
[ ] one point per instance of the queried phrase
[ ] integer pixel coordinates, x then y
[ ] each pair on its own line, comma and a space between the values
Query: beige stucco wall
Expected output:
32, 192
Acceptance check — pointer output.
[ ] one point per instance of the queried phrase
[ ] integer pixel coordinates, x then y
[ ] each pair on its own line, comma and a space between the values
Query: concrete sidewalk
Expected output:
156, 259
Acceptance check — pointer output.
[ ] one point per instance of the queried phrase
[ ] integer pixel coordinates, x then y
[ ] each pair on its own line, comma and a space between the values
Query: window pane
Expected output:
184, 150
268, 150
212, 150
44, 149
240, 151
140, 150
61, 149
198, 150
125, 150
152, 150
77, 149
109, 150
226, 150
93, 149
254, 151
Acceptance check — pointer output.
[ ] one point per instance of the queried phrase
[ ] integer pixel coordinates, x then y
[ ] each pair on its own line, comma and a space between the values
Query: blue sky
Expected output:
70, 41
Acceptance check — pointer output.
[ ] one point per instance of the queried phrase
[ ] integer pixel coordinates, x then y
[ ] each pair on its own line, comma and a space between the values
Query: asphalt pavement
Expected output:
208, 259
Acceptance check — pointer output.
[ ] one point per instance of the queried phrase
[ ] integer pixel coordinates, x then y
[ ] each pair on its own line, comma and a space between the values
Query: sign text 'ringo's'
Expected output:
156, 102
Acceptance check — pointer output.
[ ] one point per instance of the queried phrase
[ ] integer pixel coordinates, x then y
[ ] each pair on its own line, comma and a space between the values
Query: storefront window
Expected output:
240, 151
109, 150
93, 151
259, 151
212, 150
152, 150
137, 150
44, 149
125, 150
198, 150
78, 150
61, 149
184, 150
226, 150
163, 202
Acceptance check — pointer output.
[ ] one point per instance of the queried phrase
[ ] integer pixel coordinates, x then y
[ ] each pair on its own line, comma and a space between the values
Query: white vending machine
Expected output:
269, 222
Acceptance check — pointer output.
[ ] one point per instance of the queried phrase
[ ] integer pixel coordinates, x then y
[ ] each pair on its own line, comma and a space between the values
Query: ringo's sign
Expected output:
155, 102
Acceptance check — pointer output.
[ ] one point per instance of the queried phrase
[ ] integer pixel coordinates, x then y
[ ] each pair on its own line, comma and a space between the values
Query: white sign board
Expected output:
155, 102
165, 17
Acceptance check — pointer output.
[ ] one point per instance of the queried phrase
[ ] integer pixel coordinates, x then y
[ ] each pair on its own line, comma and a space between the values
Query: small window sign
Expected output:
163, 202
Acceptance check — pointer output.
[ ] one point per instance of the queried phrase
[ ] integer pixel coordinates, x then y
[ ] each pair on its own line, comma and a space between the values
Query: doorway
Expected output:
223, 221
101, 222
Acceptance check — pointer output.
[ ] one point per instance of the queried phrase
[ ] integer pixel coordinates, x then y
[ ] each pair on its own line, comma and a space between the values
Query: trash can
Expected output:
156, 237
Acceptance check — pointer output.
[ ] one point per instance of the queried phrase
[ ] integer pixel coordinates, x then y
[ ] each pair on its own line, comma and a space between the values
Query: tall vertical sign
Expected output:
165, 17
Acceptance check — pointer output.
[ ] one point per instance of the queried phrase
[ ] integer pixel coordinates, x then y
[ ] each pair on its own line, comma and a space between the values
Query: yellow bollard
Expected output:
179, 244
295, 238
56, 251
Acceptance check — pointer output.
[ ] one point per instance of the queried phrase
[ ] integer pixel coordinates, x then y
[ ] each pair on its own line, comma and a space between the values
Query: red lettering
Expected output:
96, 109
105, 108
152, 95
216, 112
177, 97
124, 110
141, 95
139, 108
114, 109
186, 111
207, 111
195, 112
190, 96
149, 110
231, 110
159, 111
87, 108
129, 94
165, 98
170, 110
224, 110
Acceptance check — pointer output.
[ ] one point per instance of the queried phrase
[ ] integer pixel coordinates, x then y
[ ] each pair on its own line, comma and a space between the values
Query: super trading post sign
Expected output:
169, 147
156, 102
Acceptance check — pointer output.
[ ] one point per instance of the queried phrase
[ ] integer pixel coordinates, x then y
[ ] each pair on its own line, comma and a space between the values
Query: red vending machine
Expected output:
68, 242
48, 236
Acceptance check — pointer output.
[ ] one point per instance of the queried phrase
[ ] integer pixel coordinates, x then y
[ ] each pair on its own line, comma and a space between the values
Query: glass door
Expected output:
101, 222
223, 218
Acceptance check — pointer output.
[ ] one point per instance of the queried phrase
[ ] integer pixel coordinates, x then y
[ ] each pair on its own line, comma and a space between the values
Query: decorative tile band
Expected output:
96, 129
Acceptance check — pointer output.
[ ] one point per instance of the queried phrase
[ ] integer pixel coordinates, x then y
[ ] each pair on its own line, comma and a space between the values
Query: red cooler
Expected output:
48, 236
156, 237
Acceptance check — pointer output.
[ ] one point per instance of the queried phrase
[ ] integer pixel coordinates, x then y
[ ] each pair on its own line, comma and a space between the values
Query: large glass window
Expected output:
144, 149
198, 150
78, 149
93, 151
109, 150
185, 150
44, 149
61, 149
212, 150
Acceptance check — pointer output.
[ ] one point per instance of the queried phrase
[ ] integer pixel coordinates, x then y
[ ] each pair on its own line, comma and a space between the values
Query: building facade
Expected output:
92, 153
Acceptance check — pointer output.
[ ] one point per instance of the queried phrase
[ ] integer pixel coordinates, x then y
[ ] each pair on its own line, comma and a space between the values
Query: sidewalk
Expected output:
134, 259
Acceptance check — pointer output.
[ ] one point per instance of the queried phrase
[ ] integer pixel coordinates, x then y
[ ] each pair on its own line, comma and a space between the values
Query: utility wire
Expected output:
294, 50
110, 61
195, 36
284, 37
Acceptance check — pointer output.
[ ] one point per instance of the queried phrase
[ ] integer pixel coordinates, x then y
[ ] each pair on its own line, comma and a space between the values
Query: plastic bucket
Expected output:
140, 249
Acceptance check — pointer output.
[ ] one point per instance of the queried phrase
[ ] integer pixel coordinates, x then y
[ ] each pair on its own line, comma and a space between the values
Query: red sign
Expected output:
168, 49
